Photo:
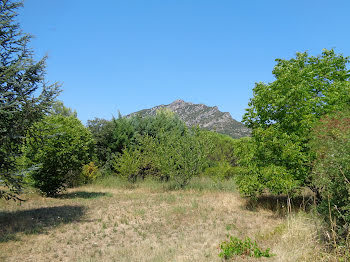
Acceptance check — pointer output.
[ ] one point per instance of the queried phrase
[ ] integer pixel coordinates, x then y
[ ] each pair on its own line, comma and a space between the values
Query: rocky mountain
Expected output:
210, 118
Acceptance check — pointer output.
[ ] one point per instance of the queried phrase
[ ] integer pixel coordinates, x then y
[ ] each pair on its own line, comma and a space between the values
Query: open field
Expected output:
118, 222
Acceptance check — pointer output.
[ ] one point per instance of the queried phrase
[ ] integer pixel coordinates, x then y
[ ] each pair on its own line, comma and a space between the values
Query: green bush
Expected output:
235, 246
168, 156
182, 157
112, 137
139, 161
127, 164
267, 163
59, 146
331, 169
89, 173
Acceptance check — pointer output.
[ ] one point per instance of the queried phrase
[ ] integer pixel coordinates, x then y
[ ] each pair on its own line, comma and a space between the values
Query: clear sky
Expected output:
129, 55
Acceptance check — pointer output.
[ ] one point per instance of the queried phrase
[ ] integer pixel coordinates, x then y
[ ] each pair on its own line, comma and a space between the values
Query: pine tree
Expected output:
24, 95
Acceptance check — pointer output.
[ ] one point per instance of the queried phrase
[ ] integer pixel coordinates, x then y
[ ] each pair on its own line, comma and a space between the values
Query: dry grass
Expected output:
147, 223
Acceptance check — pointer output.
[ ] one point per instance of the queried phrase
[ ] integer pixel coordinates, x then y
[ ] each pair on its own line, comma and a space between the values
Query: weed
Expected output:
247, 247
230, 226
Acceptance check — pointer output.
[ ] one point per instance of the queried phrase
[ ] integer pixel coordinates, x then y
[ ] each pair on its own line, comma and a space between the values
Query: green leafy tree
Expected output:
282, 114
24, 95
59, 146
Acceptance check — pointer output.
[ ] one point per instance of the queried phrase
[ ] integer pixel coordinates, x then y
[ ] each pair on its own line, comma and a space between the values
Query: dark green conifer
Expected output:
25, 97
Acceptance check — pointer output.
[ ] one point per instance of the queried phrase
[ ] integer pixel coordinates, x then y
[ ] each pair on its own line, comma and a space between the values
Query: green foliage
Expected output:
127, 130
127, 164
24, 96
263, 163
58, 108
59, 146
139, 161
221, 171
282, 114
222, 147
102, 133
183, 157
124, 134
221, 157
163, 149
164, 121
237, 247
89, 173
331, 169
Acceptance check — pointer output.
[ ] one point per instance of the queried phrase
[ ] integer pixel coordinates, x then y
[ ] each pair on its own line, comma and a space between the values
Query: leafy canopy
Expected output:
282, 114
59, 146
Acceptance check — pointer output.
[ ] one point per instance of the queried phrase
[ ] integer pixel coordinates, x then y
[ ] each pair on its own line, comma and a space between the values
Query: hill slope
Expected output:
210, 118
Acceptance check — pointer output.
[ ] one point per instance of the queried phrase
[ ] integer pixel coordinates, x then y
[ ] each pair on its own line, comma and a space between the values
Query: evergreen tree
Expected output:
24, 95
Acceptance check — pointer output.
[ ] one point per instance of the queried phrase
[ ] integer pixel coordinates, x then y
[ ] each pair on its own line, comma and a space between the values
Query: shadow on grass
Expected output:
37, 221
278, 204
83, 194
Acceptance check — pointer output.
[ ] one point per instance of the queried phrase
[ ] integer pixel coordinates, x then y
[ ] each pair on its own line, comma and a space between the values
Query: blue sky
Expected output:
129, 55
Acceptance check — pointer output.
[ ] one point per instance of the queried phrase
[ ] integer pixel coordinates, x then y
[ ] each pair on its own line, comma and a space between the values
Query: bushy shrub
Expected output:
139, 161
113, 137
169, 155
59, 146
268, 163
331, 169
159, 146
127, 164
89, 173
183, 157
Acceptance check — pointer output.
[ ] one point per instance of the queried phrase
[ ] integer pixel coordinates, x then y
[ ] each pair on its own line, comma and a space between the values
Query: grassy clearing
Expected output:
116, 221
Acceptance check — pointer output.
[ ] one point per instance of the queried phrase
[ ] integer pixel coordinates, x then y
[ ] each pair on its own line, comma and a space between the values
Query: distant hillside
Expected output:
206, 117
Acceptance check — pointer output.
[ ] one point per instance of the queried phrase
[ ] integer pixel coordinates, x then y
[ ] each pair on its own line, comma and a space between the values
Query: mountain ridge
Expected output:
206, 117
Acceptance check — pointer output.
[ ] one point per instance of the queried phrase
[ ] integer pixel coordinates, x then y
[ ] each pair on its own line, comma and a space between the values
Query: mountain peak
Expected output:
179, 103
210, 118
